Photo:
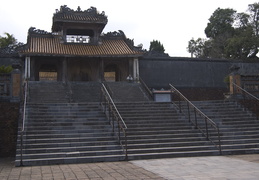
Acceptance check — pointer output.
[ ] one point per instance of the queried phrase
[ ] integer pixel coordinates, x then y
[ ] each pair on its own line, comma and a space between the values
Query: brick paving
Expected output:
91, 171
198, 168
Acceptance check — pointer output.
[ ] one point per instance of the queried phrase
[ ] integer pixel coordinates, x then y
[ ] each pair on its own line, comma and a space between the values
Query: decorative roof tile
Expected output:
89, 15
45, 45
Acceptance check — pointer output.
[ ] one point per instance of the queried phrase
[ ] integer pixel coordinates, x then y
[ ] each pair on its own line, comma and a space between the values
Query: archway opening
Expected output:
48, 72
111, 73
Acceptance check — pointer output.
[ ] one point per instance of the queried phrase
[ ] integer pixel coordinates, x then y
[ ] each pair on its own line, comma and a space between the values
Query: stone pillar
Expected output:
131, 67
235, 78
64, 70
101, 70
135, 69
16, 85
27, 70
32, 69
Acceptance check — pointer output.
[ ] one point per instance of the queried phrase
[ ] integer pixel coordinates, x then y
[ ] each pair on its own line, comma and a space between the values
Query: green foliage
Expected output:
6, 69
196, 47
7, 41
227, 79
156, 46
220, 23
230, 35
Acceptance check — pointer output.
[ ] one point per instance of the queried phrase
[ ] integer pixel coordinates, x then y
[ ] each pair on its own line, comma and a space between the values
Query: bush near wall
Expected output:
9, 115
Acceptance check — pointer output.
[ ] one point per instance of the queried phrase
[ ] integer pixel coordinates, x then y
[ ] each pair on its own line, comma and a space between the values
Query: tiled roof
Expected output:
51, 46
90, 15
10, 51
80, 17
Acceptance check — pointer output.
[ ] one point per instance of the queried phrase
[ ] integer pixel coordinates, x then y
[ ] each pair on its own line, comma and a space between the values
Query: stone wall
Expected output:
198, 79
8, 128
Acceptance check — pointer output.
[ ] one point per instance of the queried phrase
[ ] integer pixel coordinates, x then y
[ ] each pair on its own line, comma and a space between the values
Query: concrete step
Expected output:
73, 159
127, 92
63, 132
239, 128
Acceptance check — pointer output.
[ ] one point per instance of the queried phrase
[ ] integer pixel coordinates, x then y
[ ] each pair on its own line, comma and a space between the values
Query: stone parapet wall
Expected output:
199, 78
9, 115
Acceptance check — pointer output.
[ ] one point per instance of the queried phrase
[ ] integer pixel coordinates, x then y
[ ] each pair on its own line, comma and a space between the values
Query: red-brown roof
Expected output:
52, 46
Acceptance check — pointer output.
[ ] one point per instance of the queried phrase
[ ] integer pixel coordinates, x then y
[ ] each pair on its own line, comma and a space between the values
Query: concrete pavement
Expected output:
198, 168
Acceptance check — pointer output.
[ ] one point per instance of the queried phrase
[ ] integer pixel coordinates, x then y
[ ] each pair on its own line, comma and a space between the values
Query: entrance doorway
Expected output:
48, 72
111, 73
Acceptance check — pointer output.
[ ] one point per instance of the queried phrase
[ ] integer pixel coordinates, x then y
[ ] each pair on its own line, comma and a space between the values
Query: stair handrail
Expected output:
114, 114
146, 87
246, 94
23, 120
196, 112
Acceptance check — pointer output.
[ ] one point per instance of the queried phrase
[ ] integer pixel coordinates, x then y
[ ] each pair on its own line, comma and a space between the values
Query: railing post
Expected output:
189, 115
126, 146
110, 117
220, 151
244, 99
119, 130
206, 125
195, 116
113, 117
105, 101
21, 149
180, 107
256, 110
101, 97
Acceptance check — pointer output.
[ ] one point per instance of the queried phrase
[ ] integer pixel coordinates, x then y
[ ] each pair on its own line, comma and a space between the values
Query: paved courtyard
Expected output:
212, 167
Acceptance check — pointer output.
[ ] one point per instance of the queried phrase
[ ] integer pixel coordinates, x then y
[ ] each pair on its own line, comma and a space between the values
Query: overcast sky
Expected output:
172, 22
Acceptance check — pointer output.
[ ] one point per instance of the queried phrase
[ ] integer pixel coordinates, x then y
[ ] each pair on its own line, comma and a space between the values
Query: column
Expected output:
101, 70
135, 69
64, 70
27, 68
131, 67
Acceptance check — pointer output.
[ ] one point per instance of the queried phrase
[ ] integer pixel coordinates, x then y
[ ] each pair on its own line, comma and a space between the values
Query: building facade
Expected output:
78, 50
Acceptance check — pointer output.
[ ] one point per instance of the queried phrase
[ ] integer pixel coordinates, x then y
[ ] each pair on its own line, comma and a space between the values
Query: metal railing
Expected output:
23, 121
146, 88
118, 125
202, 122
248, 100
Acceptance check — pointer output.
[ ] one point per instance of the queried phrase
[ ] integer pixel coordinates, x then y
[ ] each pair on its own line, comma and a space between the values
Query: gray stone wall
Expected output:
10, 61
190, 72
8, 128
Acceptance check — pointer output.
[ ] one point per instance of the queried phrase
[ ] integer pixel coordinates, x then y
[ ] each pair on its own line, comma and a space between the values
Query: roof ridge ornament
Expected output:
33, 30
90, 11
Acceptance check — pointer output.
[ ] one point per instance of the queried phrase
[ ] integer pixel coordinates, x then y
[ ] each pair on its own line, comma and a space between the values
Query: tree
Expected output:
240, 45
196, 47
156, 46
254, 10
220, 23
7, 41
219, 29
230, 35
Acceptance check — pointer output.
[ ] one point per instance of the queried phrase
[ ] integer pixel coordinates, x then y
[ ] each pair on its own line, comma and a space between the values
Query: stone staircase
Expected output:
127, 92
239, 128
50, 92
155, 130
64, 126
59, 92
85, 91
67, 133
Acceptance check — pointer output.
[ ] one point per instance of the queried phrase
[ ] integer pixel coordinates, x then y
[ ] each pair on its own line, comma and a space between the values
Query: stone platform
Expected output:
210, 167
